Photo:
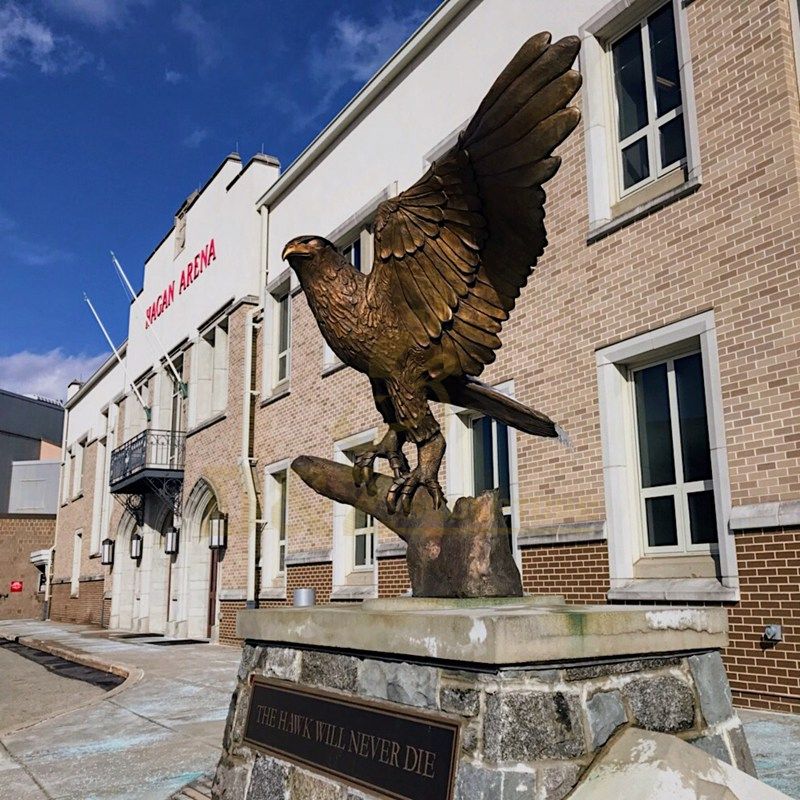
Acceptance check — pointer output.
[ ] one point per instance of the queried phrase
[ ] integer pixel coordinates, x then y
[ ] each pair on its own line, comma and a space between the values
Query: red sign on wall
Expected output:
16, 586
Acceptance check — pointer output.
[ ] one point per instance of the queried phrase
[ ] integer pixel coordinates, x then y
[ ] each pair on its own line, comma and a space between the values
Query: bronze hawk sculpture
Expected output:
451, 256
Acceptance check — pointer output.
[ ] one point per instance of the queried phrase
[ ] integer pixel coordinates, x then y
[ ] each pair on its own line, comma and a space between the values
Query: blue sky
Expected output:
113, 111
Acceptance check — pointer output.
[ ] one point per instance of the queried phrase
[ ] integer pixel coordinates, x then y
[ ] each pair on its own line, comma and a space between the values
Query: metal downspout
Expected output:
244, 460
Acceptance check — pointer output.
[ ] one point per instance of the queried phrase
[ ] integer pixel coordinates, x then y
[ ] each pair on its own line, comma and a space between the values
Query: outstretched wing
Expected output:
454, 250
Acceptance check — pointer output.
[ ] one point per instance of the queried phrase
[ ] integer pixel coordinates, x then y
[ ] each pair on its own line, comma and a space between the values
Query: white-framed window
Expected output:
76, 466
638, 108
135, 415
650, 139
278, 335
75, 579
210, 372
66, 476
360, 526
355, 573
676, 486
283, 337
274, 532
665, 465
482, 455
491, 467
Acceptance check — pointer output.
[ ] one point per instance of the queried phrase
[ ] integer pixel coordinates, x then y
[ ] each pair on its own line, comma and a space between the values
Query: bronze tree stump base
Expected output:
460, 553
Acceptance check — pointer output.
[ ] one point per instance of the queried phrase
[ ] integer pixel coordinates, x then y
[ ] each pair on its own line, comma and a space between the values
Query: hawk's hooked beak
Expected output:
297, 247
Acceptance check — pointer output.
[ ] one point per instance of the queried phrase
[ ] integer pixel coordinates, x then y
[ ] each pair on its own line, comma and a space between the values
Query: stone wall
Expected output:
527, 734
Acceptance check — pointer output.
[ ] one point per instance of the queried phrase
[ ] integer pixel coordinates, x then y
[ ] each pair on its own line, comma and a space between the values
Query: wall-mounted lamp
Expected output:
136, 546
107, 552
218, 524
171, 542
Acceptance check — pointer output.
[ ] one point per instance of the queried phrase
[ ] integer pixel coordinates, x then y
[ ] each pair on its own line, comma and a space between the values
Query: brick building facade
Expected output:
21, 536
660, 330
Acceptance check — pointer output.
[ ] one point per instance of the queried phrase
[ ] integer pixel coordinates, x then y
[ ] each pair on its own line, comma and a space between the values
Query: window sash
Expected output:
681, 489
283, 338
652, 130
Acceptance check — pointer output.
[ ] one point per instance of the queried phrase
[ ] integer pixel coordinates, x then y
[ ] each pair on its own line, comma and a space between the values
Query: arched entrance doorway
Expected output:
126, 572
162, 572
196, 571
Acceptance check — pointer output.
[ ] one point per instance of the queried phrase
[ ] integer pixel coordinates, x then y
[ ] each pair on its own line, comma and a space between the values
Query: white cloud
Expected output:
205, 37
46, 374
98, 13
24, 39
172, 76
350, 53
28, 251
356, 48
196, 137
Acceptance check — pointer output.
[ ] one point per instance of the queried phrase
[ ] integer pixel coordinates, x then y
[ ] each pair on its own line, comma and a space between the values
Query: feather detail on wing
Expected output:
454, 250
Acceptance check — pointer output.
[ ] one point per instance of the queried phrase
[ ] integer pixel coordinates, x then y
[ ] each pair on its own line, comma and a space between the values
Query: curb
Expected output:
132, 675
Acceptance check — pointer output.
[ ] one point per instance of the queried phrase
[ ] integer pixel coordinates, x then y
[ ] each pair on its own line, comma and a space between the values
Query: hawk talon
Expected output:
406, 485
363, 466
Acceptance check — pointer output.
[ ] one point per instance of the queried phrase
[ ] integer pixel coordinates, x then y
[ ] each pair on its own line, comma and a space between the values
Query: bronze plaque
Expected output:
396, 753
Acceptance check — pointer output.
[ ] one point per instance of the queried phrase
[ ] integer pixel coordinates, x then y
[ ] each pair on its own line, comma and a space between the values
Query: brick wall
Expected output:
228, 609
393, 577
320, 576
86, 608
579, 572
20, 534
769, 576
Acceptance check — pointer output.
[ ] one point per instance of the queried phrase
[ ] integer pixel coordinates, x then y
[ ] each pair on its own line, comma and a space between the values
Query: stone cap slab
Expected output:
505, 633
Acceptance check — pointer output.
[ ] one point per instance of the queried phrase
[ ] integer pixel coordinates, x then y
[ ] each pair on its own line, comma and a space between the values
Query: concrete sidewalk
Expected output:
141, 741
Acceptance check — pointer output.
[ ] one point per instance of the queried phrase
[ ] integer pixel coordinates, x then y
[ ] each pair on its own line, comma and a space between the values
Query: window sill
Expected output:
278, 393
207, 423
320, 555
272, 594
354, 593
645, 209
332, 369
674, 589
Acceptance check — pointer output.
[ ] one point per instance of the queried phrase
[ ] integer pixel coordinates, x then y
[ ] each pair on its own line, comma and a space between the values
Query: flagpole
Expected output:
181, 385
116, 353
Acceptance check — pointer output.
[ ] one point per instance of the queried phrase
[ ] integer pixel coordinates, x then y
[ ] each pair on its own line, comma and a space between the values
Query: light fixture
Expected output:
136, 546
218, 525
107, 552
171, 541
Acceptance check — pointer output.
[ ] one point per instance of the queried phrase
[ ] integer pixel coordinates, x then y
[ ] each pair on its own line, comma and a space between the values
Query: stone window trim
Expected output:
562, 533
345, 575
209, 373
794, 12
77, 547
620, 470
459, 477
606, 212
443, 145
755, 516
269, 562
283, 287
206, 423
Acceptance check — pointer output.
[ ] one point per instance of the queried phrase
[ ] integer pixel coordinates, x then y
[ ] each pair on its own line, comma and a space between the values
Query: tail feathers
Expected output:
478, 396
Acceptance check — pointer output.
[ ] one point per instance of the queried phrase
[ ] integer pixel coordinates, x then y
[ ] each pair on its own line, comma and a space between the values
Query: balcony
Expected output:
151, 456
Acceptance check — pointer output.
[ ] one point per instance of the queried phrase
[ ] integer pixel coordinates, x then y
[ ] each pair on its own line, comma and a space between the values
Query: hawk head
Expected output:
305, 251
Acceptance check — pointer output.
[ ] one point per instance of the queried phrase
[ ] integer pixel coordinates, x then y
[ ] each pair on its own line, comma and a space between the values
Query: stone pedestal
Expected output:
539, 690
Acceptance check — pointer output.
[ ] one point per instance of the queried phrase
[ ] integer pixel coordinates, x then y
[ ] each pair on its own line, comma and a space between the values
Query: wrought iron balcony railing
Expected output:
156, 450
